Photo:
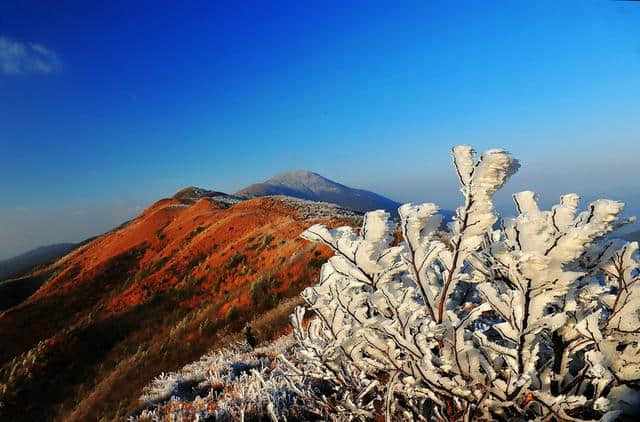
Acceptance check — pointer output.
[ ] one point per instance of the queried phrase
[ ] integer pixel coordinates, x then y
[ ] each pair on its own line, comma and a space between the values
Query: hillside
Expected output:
311, 186
21, 264
153, 295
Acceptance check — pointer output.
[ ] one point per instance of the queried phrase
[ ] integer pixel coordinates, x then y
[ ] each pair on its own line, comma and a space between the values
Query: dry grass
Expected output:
172, 297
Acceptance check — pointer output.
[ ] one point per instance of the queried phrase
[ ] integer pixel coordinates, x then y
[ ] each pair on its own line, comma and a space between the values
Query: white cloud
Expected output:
22, 58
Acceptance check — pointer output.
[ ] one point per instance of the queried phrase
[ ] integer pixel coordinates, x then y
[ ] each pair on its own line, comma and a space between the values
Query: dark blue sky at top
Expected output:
147, 97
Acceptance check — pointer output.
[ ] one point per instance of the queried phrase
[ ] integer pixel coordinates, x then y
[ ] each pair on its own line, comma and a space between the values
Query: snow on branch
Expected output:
536, 320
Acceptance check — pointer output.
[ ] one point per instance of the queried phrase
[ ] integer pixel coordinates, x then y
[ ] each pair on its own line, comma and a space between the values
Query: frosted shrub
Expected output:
237, 383
534, 318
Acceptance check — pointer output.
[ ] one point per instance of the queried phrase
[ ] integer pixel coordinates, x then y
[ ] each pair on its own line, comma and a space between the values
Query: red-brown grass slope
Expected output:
151, 296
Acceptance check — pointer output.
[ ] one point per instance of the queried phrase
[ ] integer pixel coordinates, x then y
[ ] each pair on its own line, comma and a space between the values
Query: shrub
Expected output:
537, 319
195, 261
160, 263
316, 263
251, 247
144, 271
267, 241
232, 384
236, 259
233, 313
249, 336
262, 292
188, 279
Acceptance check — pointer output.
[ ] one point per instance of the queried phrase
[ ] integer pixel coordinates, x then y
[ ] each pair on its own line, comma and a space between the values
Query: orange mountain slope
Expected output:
152, 295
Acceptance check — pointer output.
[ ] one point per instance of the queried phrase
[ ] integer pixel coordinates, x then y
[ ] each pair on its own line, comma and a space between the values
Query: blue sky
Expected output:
106, 108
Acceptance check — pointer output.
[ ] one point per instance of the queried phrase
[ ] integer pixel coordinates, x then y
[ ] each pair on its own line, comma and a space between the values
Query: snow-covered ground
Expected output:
227, 384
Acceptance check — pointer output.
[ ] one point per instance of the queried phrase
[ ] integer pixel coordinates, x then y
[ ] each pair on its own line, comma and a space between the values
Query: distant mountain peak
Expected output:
306, 181
300, 174
312, 186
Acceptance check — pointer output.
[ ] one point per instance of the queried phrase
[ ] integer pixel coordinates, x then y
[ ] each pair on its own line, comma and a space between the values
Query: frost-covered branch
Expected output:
536, 319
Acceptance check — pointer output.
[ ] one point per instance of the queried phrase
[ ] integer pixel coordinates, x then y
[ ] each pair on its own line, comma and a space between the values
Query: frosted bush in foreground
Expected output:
535, 320
235, 383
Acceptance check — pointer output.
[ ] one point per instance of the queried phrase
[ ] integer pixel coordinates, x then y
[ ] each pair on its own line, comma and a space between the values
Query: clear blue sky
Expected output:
106, 108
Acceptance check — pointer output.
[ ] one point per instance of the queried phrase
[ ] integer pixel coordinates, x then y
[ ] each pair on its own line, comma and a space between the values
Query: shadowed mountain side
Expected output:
14, 291
23, 263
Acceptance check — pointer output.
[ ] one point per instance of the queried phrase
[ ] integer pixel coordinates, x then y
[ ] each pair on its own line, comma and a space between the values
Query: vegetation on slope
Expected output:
150, 297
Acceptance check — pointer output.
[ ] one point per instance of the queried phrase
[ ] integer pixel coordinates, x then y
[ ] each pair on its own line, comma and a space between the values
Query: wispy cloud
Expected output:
22, 58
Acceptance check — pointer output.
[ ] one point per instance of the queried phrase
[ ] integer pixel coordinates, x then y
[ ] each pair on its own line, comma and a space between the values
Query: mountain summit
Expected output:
312, 186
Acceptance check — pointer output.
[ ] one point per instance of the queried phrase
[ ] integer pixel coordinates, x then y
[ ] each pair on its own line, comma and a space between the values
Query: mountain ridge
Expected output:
21, 264
153, 294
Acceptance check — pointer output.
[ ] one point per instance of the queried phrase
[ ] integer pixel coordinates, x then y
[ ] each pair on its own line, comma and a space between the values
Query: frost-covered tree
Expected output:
535, 317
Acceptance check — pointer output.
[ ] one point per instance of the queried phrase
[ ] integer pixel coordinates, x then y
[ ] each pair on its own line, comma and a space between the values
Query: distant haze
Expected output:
78, 224
222, 95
